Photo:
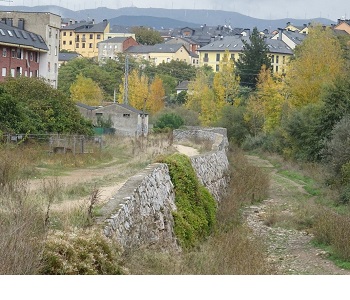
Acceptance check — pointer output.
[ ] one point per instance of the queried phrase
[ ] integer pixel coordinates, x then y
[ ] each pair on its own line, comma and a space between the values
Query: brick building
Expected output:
20, 52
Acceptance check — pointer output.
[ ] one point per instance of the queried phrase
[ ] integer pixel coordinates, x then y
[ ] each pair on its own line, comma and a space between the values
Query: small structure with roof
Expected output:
124, 119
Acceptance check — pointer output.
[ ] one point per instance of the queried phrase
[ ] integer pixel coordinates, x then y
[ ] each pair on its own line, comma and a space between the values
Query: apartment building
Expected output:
47, 26
83, 37
21, 52
214, 52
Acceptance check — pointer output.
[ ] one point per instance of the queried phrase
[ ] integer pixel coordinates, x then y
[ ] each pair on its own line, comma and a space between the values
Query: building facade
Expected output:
110, 48
21, 52
83, 37
160, 53
46, 25
212, 54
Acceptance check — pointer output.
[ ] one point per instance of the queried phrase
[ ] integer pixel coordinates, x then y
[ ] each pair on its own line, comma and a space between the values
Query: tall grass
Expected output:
22, 221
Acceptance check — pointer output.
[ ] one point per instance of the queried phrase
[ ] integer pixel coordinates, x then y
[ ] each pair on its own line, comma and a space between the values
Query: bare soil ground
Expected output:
290, 251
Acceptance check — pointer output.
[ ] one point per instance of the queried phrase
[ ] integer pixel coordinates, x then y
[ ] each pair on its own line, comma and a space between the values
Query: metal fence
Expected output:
58, 143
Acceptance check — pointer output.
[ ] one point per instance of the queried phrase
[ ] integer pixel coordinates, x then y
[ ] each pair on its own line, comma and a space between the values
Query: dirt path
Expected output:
118, 172
290, 251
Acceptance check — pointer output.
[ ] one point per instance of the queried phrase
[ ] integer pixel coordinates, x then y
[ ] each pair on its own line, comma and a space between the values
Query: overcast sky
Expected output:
263, 9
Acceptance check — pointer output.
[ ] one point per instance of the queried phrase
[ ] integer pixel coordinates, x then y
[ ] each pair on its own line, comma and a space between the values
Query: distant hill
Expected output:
153, 22
165, 17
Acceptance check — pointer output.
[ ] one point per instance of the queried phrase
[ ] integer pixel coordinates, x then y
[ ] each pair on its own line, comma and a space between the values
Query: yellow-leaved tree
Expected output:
226, 83
155, 101
318, 61
86, 91
200, 98
270, 98
137, 90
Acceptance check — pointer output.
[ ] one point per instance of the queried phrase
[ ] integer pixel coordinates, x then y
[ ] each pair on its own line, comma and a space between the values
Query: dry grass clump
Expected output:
80, 252
23, 230
333, 229
249, 183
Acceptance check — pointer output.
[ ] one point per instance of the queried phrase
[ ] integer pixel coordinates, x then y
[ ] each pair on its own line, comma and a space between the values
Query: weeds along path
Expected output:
108, 178
276, 220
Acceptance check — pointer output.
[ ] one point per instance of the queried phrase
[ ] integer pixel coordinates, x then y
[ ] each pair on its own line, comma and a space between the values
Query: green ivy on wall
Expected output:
195, 216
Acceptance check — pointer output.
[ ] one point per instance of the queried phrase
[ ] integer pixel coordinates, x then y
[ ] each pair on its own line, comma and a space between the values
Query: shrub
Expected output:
169, 120
80, 252
195, 216
337, 149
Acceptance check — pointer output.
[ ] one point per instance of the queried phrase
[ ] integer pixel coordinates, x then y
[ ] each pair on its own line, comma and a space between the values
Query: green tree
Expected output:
108, 75
45, 108
147, 36
178, 69
253, 57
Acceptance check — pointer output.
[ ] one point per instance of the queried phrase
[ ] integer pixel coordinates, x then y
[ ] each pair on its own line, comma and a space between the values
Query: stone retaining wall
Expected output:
140, 214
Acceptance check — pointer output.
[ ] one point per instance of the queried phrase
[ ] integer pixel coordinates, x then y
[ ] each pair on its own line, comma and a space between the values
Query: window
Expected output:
233, 57
3, 72
217, 56
76, 45
49, 67
64, 42
55, 50
55, 70
272, 59
31, 56
30, 74
276, 69
26, 73
283, 59
98, 37
64, 33
4, 52
91, 36
126, 115
13, 53
90, 45
277, 59
83, 45
19, 53
13, 72
56, 35
70, 43
71, 33
205, 59
49, 49
217, 68
50, 32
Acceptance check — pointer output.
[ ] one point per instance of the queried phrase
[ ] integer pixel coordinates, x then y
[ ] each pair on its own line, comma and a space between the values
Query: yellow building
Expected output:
83, 37
160, 53
213, 53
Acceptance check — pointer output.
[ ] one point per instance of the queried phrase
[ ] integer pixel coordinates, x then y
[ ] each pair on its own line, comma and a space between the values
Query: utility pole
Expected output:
126, 75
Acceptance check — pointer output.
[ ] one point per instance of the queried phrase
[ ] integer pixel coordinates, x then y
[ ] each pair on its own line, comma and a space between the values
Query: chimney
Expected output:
280, 32
21, 24
9, 21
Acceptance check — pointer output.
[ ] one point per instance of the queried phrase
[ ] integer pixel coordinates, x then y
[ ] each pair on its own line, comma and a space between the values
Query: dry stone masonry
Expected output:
140, 214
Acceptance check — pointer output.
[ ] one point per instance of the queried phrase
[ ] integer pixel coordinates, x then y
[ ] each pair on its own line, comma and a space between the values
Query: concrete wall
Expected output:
140, 214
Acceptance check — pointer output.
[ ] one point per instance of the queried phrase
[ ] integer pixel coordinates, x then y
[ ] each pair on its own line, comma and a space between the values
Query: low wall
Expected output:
140, 214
